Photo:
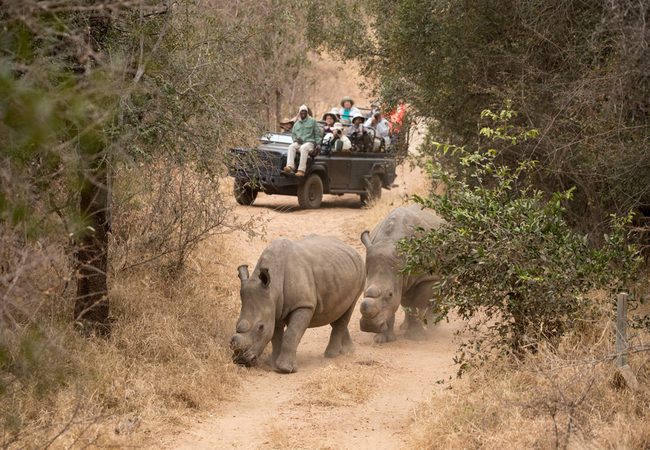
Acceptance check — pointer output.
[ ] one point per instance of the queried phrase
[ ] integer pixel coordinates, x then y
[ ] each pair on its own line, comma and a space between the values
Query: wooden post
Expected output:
621, 318
621, 343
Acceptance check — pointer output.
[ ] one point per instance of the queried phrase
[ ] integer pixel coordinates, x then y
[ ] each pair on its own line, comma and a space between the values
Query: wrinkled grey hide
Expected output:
297, 285
386, 287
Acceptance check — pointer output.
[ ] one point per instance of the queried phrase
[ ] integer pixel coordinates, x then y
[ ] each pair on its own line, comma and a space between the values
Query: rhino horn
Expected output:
243, 272
365, 238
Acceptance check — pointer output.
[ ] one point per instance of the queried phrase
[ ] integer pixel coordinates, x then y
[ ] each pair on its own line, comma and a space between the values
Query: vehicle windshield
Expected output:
280, 138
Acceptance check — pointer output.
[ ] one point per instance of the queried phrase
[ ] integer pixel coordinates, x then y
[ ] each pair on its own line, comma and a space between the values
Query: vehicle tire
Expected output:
244, 193
310, 194
373, 190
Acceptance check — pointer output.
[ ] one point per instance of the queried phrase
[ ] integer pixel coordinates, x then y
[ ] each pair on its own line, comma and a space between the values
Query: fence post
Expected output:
621, 333
621, 343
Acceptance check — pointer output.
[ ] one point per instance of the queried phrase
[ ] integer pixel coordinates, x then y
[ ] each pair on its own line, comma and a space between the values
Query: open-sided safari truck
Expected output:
329, 171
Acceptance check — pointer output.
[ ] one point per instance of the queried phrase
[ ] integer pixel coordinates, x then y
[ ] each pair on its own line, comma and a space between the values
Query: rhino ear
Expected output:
243, 272
365, 238
265, 277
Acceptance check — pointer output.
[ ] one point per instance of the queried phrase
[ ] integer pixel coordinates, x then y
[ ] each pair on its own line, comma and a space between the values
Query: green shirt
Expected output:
306, 130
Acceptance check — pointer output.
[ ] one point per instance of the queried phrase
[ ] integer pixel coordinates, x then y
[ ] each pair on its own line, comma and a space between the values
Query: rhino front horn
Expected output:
243, 272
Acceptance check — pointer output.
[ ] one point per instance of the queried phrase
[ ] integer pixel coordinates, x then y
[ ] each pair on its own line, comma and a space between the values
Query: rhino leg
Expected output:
417, 299
415, 330
340, 340
389, 334
276, 342
298, 323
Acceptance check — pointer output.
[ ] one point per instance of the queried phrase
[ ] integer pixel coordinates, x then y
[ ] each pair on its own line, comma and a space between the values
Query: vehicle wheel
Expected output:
244, 193
310, 194
373, 190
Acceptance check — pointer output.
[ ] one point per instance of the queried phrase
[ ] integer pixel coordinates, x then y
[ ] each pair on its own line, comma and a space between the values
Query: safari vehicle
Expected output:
329, 171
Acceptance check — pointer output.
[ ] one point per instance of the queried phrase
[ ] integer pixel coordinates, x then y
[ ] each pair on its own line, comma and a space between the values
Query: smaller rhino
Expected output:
297, 285
387, 287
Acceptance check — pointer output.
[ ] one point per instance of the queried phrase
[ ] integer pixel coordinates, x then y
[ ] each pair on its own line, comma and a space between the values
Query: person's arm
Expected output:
294, 132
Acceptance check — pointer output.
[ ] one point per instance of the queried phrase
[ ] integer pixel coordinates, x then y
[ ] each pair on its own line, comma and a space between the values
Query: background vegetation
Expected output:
530, 232
115, 118
576, 70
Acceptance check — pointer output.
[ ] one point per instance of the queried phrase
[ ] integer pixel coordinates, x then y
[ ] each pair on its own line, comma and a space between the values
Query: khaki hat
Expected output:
286, 120
347, 99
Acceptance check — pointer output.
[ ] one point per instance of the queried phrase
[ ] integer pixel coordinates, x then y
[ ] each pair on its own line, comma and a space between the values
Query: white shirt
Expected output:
382, 127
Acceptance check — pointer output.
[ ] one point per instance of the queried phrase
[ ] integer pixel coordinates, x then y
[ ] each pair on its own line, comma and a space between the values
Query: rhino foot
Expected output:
416, 334
333, 353
388, 336
284, 365
347, 348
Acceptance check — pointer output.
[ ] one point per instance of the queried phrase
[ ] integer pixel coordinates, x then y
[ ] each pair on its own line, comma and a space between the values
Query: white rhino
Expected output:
297, 285
386, 286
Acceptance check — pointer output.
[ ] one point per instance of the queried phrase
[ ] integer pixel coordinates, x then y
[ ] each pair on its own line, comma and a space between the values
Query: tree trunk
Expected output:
278, 107
91, 305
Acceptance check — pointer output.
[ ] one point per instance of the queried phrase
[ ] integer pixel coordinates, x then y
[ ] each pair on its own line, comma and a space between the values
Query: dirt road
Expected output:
364, 400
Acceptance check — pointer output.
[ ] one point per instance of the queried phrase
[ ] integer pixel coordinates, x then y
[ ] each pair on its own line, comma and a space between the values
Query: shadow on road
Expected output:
288, 204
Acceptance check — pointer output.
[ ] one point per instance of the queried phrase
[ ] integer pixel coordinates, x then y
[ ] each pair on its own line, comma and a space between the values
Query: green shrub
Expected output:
509, 261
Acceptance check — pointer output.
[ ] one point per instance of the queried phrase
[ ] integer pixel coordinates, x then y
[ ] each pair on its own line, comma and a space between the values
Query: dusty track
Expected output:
364, 400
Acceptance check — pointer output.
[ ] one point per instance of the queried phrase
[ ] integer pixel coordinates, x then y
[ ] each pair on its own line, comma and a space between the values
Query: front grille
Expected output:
254, 163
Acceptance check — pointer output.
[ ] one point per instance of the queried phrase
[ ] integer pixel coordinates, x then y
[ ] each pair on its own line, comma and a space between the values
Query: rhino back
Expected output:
401, 222
323, 273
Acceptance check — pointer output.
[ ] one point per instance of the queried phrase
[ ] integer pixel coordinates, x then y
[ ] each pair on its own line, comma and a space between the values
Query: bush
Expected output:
508, 259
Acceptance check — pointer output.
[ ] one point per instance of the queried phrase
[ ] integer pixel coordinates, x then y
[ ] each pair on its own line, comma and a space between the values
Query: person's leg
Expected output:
291, 156
304, 154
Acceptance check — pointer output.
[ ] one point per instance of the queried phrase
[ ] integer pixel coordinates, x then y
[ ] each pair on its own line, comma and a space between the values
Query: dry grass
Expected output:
340, 385
565, 397
167, 353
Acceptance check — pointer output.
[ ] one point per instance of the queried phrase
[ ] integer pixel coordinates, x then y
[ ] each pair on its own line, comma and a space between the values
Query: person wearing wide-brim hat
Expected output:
333, 113
348, 110
286, 125
357, 127
358, 133
347, 99
330, 118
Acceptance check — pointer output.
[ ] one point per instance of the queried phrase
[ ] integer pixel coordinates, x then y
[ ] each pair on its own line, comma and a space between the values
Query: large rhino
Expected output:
386, 286
297, 285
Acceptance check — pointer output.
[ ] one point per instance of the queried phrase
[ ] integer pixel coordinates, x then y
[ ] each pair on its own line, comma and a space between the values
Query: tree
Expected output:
577, 71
